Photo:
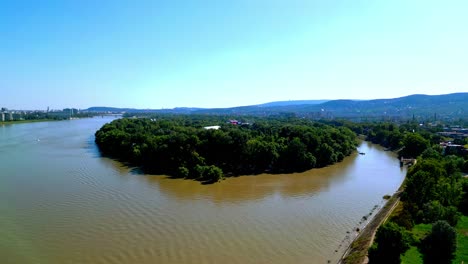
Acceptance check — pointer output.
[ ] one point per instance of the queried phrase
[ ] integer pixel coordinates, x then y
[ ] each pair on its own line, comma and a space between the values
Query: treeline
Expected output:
179, 146
435, 192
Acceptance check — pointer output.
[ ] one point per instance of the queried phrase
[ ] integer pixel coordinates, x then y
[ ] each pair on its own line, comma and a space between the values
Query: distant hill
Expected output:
104, 109
293, 102
107, 109
418, 105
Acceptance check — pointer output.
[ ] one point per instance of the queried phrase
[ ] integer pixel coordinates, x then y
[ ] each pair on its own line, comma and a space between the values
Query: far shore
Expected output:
26, 121
35, 121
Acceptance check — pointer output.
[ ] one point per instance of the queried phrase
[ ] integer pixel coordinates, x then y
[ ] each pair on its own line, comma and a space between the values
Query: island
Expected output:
209, 148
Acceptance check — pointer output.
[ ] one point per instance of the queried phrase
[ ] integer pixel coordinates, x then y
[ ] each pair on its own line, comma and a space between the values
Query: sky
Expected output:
220, 53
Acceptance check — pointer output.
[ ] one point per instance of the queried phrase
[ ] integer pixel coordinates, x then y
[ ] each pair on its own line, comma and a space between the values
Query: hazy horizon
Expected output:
175, 107
217, 54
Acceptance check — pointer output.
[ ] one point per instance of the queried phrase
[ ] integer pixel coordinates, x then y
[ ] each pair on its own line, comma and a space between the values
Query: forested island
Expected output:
208, 148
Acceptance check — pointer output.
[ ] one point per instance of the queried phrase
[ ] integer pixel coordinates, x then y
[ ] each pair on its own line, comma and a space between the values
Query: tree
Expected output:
209, 173
421, 184
465, 167
295, 157
440, 245
391, 241
434, 211
260, 155
431, 153
463, 206
414, 144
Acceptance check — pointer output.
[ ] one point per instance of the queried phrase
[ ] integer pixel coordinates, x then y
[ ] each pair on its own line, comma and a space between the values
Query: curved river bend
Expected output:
61, 202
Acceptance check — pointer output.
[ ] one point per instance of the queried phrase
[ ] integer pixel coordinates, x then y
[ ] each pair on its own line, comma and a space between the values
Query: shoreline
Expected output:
357, 250
38, 120
27, 121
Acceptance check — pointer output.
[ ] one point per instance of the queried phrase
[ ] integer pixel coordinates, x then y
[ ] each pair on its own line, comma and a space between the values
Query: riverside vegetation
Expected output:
434, 198
181, 147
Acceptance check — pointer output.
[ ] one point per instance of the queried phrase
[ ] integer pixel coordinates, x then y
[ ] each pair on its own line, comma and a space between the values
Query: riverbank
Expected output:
357, 251
38, 120
27, 121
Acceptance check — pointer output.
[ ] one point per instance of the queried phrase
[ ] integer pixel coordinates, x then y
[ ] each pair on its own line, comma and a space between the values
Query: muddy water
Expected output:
61, 202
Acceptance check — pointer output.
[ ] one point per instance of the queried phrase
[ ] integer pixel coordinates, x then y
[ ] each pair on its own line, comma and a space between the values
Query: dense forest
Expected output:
190, 147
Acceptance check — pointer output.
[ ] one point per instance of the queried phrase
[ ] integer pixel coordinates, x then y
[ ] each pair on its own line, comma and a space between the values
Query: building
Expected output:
212, 127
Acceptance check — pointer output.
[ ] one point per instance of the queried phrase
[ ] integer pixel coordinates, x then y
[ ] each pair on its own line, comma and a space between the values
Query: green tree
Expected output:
414, 144
465, 167
463, 206
431, 153
434, 211
421, 184
440, 245
391, 241
209, 173
295, 157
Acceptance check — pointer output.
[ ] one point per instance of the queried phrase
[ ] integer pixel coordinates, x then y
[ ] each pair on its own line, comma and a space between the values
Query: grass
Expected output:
412, 256
397, 211
421, 230
462, 241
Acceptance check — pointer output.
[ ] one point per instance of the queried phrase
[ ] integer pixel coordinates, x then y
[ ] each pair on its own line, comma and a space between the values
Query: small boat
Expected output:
362, 153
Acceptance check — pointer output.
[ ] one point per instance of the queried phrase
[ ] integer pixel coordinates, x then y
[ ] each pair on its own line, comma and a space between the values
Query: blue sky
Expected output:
164, 54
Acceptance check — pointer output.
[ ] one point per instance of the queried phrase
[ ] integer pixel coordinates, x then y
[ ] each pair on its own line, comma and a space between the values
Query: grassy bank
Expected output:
357, 251
412, 256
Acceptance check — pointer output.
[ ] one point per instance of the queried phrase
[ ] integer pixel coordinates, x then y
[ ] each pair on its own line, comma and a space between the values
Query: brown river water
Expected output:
61, 202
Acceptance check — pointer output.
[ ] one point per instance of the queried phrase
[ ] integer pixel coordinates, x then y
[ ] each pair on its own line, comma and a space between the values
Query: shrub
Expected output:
440, 245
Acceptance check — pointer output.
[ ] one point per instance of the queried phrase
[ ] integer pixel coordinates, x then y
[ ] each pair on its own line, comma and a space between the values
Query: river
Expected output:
61, 202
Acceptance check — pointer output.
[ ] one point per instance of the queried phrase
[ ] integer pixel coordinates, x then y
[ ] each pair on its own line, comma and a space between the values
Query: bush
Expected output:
434, 211
391, 241
209, 173
440, 245
183, 172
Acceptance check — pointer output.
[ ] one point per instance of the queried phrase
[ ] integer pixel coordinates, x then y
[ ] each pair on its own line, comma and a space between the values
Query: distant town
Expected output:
7, 115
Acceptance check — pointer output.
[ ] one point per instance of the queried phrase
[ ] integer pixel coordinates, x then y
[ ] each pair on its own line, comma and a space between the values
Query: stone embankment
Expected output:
357, 251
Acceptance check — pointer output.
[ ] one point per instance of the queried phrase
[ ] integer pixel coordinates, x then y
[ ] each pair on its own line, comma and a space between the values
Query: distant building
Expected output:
212, 127
455, 132
449, 148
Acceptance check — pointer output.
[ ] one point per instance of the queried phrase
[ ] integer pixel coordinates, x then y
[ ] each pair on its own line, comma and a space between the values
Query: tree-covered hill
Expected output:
180, 146
448, 106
